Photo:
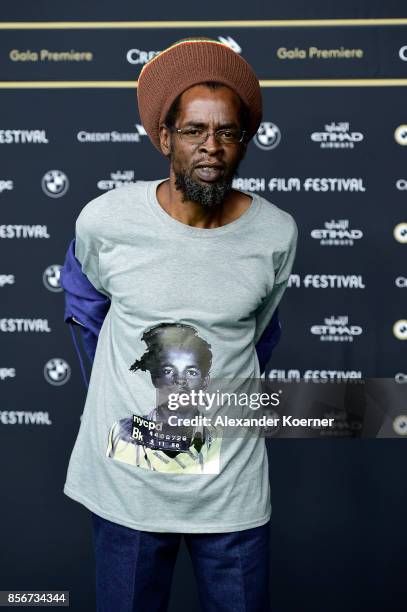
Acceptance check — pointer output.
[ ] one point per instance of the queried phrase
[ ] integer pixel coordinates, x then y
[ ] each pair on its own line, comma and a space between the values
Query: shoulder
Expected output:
107, 204
275, 223
276, 215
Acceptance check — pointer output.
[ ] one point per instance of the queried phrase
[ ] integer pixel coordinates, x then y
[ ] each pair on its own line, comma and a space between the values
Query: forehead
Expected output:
181, 353
200, 103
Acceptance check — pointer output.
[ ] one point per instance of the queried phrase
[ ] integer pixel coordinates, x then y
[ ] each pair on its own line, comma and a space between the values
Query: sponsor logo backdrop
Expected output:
331, 150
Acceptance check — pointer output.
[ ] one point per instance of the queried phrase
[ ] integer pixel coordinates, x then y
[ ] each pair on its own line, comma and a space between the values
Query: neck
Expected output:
197, 215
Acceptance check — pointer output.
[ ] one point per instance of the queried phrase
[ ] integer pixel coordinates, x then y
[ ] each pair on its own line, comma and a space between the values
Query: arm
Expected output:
268, 327
268, 340
85, 306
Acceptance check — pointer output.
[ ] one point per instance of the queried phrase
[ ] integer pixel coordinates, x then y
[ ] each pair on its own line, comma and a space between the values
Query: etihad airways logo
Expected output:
336, 233
117, 179
337, 136
23, 137
336, 329
101, 137
317, 184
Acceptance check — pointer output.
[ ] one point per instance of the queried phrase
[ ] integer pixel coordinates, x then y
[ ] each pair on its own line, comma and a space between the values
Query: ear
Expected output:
165, 136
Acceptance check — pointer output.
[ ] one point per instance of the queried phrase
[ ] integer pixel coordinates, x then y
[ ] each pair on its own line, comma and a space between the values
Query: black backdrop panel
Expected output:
331, 151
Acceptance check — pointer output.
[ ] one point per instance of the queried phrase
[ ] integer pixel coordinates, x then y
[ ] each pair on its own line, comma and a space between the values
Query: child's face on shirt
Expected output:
179, 371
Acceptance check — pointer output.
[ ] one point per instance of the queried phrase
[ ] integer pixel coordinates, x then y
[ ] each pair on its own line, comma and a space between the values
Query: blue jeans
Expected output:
134, 568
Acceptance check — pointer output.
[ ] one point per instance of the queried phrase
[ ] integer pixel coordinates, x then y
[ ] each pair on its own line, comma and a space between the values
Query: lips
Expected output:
208, 165
208, 172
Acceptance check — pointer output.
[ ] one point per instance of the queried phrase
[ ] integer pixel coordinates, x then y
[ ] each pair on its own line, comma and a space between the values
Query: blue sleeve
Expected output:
85, 307
268, 340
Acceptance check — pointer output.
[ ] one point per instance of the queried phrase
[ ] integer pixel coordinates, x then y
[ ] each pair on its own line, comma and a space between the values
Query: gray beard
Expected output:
209, 195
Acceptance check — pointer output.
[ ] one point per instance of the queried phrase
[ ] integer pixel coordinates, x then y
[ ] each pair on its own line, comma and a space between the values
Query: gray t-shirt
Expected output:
188, 304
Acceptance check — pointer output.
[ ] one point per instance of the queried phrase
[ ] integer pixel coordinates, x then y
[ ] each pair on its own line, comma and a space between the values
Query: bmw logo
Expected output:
400, 425
400, 135
268, 136
57, 371
55, 183
52, 278
400, 233
400, 329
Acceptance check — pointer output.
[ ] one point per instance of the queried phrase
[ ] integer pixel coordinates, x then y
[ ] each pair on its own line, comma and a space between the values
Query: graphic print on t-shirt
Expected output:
179, 362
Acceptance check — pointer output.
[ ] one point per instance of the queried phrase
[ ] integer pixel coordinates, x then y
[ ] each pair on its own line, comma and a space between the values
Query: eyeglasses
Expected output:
197, 135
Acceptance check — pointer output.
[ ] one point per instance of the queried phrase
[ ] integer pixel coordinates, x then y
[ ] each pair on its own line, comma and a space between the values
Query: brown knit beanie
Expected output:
188, 62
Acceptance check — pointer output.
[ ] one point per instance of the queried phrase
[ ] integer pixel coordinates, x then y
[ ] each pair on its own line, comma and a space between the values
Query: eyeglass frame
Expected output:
172, 128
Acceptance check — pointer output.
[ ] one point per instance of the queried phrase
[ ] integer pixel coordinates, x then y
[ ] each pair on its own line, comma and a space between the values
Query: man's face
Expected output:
211, 109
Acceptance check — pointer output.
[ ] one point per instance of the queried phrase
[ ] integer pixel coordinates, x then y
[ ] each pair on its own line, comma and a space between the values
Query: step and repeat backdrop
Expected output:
331, 150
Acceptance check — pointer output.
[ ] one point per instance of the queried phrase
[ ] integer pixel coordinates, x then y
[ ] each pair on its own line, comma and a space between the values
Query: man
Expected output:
193, 250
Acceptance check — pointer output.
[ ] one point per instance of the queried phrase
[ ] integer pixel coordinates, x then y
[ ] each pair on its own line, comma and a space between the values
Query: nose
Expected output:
181, 380
211, 145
